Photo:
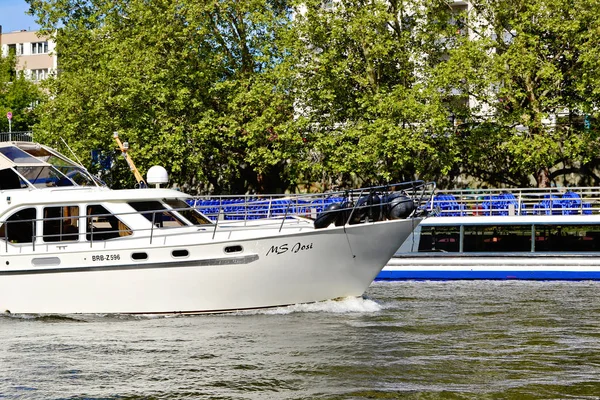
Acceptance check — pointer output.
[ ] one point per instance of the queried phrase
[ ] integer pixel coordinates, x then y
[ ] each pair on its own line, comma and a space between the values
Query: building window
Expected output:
39, 74
39, 48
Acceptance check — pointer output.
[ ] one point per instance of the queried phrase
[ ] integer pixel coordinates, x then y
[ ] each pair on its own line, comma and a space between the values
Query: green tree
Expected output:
366, 88
193, 86
530, 64
266, 95
18, 96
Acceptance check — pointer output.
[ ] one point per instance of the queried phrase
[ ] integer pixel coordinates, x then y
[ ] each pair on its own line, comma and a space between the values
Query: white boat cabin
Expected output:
74, 212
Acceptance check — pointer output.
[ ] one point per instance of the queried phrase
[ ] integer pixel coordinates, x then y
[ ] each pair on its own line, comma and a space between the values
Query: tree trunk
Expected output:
543, 178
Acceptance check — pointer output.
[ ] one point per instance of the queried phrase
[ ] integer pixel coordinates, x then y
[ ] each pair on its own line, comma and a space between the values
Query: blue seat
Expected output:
494, 205
551, 205
571, 203
448, 205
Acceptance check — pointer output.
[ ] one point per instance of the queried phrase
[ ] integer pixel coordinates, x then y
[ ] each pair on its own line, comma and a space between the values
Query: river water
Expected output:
407, 340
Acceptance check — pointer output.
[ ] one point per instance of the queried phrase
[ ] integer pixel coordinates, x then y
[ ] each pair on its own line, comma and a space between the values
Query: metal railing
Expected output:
19, 136
226, 212
250, 207
517, 202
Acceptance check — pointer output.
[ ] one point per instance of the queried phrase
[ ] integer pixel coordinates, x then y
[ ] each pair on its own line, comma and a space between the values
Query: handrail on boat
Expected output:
278, 212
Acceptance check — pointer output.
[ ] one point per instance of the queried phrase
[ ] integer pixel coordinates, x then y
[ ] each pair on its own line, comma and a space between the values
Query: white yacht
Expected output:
69, 244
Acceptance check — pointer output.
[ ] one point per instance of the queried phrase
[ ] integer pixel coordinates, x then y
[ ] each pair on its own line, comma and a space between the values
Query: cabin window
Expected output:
61, 223
567, 238
9, 179
497, 238
510, 238
101, 224
74, 174
69, 172
234, 249
440, 238
187, 212
156, 212
20, 227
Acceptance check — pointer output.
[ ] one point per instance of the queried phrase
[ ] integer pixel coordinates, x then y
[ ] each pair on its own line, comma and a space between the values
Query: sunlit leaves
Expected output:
18, 95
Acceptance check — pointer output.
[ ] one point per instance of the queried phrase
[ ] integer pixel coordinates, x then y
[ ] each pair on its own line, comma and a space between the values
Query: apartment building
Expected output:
36, 55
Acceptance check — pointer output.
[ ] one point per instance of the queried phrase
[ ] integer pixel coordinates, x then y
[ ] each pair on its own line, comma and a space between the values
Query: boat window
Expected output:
103, 225
61, 223
234, 249
44, 176
9, 179
497, 238
440, 238
567, 238
187, 212
19, 227
155, 211
45, 154
18, 156
180, 253
139, 256
77, 175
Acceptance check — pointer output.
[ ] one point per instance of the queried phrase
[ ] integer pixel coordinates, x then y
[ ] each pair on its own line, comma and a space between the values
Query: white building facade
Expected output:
36, 55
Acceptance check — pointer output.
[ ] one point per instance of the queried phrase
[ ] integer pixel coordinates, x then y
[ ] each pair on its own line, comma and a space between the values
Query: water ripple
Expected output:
409, 340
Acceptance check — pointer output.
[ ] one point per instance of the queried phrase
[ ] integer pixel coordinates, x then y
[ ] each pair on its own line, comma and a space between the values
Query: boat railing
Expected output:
252, 207
267, 212
516, 202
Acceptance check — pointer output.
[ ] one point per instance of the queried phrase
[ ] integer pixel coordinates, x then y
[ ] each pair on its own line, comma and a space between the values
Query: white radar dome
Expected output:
157, 175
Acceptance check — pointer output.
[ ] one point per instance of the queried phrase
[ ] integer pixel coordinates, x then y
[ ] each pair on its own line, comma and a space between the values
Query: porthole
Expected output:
139, 256
233, 249
180, 253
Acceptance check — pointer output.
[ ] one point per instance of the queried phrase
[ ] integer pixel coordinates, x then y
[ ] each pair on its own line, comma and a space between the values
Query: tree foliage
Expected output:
366, 90
268, 95
194, 87
18, 96
534, 66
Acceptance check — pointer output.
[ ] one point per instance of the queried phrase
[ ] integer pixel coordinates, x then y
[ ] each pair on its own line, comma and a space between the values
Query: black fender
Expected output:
329, 215
398, 205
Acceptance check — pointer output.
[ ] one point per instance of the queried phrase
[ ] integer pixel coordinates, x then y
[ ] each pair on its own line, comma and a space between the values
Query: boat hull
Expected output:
530, 247
498, 266
254, 272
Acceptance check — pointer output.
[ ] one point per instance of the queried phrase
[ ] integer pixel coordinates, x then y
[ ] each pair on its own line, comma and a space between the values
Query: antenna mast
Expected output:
124, 147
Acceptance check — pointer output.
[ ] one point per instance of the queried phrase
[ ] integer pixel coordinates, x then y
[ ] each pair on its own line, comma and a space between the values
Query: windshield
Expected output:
44, 176
18, 156
77, 175
64, 171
